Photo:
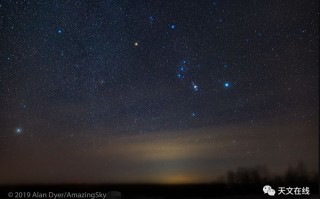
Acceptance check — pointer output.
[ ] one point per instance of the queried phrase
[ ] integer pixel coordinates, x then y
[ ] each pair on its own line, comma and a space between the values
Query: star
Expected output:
226, 84
195, 86
136, 43
193, 114
18, 130
172, 26
59, 30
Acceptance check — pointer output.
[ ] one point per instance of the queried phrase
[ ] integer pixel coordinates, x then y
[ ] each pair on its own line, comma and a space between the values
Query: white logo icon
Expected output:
267, 189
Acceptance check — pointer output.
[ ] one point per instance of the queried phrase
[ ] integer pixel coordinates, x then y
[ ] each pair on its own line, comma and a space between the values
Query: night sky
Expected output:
118, 91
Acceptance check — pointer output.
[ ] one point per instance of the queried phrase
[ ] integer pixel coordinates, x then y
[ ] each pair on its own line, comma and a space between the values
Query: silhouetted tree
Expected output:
297, 175
255, 175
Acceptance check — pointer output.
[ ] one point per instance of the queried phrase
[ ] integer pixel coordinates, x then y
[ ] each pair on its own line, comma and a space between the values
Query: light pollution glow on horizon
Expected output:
192, 156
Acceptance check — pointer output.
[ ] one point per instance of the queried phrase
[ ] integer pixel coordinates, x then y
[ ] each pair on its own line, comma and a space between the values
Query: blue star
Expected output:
172, 26
182, 68
193, 114
226, 65
18, 130
226, 84
151, 18
60, 31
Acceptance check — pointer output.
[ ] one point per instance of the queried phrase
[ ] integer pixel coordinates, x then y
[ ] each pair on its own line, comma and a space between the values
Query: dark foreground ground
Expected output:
141, 191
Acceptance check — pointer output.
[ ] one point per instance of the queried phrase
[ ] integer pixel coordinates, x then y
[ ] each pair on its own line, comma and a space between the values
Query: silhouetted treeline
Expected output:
243, 179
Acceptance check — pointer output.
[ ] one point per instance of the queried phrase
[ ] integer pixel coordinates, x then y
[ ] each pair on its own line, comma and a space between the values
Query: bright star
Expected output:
226, 84
136, 44
193, 114
195, 87
59, 30
18, 130
172, 26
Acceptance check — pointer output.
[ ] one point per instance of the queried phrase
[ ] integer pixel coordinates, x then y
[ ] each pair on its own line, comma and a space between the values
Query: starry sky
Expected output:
118, 91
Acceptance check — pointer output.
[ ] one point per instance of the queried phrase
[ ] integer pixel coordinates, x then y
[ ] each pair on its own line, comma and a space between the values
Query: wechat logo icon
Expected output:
268, 189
